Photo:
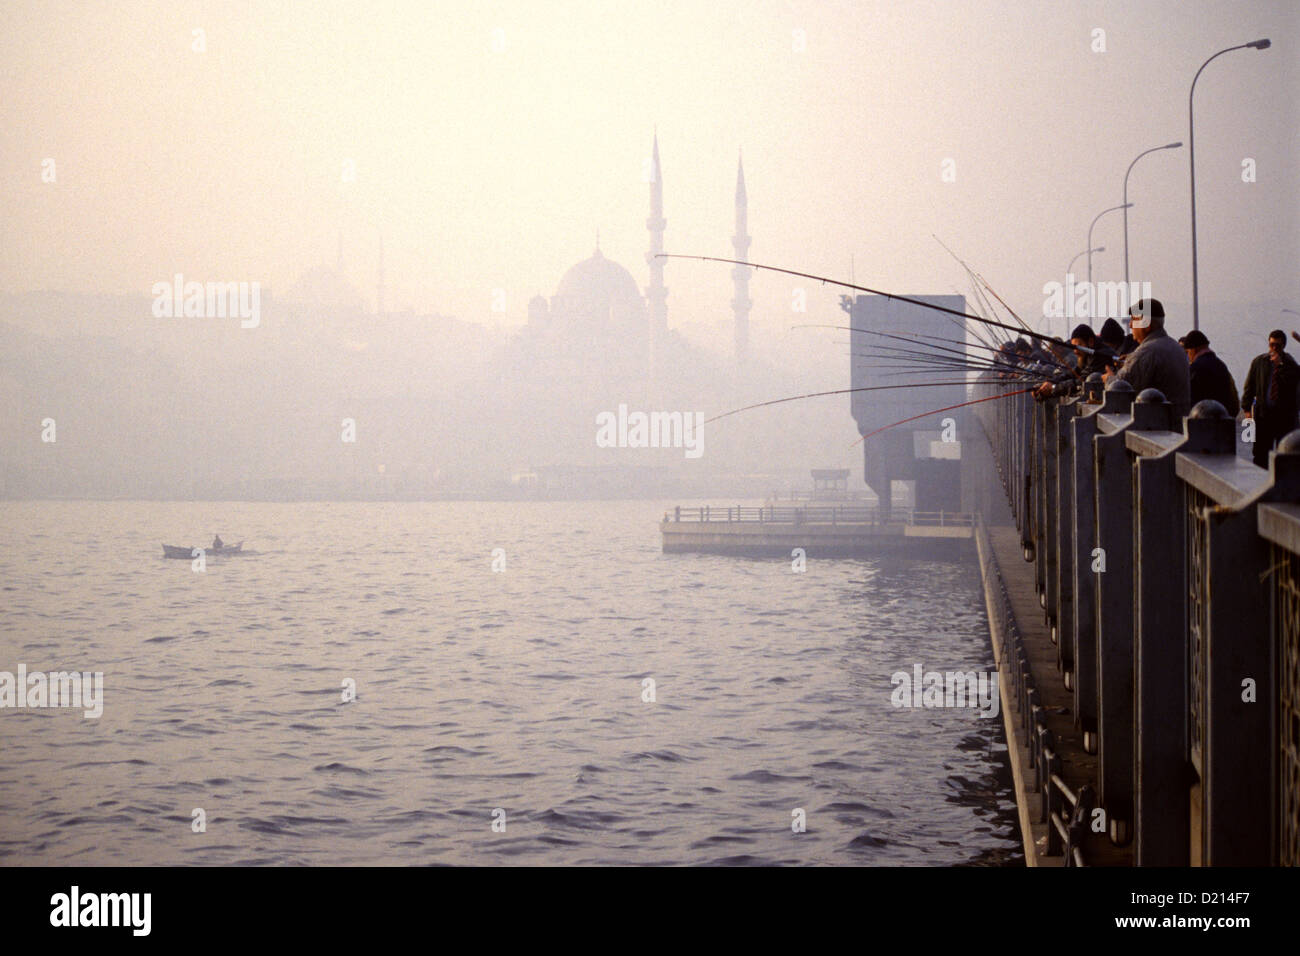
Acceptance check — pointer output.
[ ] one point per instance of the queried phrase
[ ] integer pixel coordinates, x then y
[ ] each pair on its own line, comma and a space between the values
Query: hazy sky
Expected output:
489, 159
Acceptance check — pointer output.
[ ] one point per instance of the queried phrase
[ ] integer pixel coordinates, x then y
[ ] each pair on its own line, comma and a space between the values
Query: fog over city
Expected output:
404, 182
574, 434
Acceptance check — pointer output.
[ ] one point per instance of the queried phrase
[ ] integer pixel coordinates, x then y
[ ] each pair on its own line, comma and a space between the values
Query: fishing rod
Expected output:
901, 337
837, 391
976, 380
978, 280
987, 398
912, 336
915, 337
896, 362
927, 358
861, 288
951, 355
962, 361
973, 330
905, 366
975, 276
910, 361
985, 309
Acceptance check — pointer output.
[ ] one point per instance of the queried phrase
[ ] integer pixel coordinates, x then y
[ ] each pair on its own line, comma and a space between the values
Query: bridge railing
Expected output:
1065, 811
1168, 571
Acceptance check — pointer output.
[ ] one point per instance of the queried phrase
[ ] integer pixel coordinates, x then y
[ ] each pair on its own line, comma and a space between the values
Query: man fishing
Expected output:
1029, 371
1091, 355
1158, 362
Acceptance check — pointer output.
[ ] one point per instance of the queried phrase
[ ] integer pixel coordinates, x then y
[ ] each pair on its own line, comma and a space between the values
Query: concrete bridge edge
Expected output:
1033, 835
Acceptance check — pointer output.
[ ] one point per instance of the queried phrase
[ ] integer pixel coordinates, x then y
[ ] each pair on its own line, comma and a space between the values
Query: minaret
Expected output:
379, 292
740, 274
656, 295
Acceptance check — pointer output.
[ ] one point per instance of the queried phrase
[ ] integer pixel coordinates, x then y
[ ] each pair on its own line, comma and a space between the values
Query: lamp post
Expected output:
1191, 153
1094, 222
1154, 149
1069, 311
1076, 258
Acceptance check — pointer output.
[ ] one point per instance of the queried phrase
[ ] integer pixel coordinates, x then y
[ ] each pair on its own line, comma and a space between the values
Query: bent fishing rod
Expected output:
986, 398
938, 359
977, 280
985, 337
902, 365
925, 358
918, 339
893, 365
844, 391
861, 288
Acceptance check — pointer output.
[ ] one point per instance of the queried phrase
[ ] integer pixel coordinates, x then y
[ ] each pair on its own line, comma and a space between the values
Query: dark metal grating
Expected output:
1286, 616
1197, 555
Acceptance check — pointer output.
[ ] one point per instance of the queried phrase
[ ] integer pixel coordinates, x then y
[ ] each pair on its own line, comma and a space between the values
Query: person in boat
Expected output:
217, 544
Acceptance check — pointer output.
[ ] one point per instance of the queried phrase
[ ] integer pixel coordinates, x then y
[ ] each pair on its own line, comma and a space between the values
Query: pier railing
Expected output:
833, 515
1064, 810
1168, 572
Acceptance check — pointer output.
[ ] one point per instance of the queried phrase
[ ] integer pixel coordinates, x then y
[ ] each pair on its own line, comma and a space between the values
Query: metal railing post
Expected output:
1162, 819
1238, 755
1113, 497
1085, 578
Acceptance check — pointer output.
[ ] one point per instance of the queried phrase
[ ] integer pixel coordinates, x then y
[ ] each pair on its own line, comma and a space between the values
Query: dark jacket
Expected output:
1102, 358
1160, 362
1256, 391
1212, 380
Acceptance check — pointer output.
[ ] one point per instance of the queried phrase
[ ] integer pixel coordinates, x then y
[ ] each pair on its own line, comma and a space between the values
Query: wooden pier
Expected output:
840, 531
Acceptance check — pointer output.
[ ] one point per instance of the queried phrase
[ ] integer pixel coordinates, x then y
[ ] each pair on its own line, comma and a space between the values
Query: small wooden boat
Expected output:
174, 551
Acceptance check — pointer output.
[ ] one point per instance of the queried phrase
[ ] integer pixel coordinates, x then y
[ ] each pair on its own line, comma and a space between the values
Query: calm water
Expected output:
519, 690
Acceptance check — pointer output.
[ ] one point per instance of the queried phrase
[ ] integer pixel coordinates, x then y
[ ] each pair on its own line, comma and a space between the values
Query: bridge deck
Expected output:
1078, 766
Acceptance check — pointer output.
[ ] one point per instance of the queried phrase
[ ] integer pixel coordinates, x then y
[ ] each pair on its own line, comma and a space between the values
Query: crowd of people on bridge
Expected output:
1186, 371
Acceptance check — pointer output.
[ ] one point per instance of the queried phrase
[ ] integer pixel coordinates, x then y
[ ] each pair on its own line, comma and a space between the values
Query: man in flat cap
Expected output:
1209, 376
1158, 361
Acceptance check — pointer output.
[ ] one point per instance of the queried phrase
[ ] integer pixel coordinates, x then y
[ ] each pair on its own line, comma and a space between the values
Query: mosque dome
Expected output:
326, 291
599, 289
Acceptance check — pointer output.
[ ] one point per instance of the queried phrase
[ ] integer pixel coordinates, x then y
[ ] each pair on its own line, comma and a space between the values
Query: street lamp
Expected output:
1069, 271
1076, 258
1191, 152
1094, 222
1154, 149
